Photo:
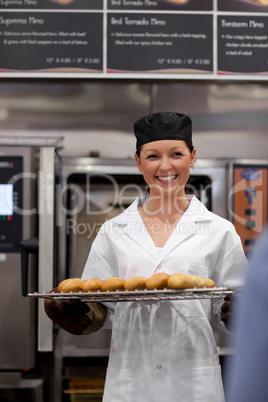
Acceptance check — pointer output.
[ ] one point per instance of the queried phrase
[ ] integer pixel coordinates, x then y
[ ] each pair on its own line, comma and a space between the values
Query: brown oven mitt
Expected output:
74, 316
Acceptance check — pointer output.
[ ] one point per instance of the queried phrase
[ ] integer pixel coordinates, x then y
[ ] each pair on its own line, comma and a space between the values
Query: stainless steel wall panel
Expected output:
46, 242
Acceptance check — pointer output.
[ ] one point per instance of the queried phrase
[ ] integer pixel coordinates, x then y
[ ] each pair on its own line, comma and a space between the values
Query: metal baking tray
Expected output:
139, 295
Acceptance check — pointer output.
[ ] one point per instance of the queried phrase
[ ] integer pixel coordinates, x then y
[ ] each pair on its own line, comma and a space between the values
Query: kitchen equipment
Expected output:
17, 222
247, 200
26, 263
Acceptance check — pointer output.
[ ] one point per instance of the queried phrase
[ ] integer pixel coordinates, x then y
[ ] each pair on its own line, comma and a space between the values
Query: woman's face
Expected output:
166, 165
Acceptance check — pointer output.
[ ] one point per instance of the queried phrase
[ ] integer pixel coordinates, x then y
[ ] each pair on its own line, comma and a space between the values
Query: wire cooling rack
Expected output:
139, 295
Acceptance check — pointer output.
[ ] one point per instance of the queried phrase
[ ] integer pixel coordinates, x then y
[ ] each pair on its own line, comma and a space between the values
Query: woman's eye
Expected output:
176, 154
152, 156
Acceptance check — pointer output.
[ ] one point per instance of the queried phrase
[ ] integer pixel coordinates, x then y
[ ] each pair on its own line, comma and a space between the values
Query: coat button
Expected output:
158, 315
159, 366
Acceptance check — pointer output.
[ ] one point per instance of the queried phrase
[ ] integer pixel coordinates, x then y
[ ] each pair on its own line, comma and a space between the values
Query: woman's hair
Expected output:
189, 145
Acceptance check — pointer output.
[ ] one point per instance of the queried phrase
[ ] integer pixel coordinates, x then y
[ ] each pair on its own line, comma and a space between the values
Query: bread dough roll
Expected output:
209, 283
157, 281
71, 285
137, 282
92, 285
182, 281
112, 284
185, 281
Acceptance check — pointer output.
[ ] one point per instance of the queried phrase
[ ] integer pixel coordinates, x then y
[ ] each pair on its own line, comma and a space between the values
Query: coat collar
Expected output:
134, 227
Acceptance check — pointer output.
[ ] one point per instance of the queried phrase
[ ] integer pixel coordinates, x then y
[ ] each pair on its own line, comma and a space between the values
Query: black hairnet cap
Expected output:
163, 126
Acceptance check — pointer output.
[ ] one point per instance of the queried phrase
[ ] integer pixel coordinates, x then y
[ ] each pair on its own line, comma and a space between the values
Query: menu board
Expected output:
181, 39
243, 44
159, 43
51, 42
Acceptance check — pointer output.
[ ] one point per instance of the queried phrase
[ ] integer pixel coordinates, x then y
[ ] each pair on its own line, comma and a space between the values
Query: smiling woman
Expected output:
164, 350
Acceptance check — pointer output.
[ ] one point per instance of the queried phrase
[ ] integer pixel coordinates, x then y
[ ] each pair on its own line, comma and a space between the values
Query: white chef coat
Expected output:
165, 351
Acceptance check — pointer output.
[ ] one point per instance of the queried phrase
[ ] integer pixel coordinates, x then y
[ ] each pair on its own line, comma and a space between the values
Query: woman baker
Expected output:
162, 351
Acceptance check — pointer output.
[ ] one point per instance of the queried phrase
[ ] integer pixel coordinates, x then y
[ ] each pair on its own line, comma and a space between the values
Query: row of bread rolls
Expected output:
160, 280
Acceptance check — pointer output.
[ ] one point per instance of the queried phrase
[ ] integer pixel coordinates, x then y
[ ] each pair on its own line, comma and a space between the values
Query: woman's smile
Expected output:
167, 179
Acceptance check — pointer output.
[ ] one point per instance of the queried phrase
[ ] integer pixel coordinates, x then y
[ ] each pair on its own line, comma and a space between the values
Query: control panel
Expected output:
11, 208
249, 206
